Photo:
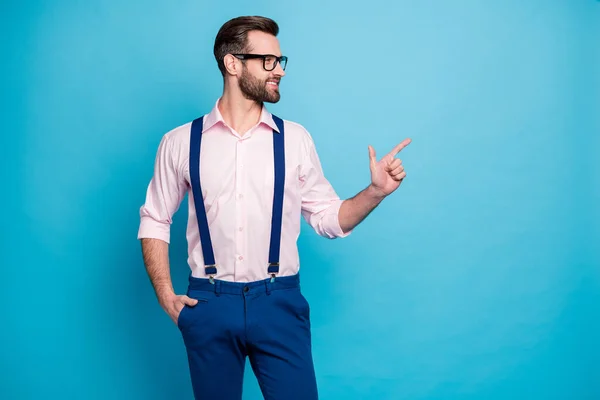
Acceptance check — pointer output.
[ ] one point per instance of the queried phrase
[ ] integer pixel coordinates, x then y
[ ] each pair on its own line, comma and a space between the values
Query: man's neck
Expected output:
238, 112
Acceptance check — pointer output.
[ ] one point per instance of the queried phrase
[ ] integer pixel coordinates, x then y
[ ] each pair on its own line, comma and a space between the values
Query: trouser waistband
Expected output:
243, 288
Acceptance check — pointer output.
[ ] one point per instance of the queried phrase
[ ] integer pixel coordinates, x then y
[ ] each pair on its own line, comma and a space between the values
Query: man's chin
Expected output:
273, 99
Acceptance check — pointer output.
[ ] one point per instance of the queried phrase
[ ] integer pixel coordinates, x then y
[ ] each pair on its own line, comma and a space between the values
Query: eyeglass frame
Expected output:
278, 60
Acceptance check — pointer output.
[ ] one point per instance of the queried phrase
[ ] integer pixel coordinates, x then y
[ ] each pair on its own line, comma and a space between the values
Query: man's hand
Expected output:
173, 304
387, 174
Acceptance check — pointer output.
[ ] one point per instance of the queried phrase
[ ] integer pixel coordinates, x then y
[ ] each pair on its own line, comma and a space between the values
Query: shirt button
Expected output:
240, 229
240, 196
240, 258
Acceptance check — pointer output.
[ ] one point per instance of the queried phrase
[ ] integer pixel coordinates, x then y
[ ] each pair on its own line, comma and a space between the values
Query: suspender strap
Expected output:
207, 248
276, 220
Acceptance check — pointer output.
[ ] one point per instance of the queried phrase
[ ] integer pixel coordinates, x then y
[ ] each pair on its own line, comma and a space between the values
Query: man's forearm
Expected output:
354, 210
156, 259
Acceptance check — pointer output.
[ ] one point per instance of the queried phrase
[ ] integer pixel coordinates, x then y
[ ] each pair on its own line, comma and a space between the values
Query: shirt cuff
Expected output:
152, 229
331, 221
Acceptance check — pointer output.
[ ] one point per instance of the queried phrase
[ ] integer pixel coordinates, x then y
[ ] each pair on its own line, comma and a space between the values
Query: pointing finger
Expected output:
399, 147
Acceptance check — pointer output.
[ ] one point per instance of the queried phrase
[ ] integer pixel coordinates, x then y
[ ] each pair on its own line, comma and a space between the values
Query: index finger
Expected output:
399, 147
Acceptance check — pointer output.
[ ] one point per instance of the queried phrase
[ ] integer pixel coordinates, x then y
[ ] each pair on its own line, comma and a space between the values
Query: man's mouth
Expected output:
274, 83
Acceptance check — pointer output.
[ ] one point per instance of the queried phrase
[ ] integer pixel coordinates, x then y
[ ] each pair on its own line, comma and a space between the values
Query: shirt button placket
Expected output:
240, 206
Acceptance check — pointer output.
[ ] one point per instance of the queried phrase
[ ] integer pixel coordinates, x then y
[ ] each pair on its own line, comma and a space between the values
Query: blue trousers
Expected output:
267, 322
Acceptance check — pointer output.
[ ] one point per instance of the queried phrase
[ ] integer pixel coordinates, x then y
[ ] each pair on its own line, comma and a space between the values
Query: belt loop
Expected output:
268, 286
218, 287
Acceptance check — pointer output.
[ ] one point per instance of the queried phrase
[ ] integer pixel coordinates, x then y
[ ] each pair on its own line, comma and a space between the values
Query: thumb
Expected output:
372, 156
189, 301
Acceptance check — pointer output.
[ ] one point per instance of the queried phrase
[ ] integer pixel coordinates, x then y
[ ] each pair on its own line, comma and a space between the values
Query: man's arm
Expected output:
386, 177
164, 195
354, 210
156, 259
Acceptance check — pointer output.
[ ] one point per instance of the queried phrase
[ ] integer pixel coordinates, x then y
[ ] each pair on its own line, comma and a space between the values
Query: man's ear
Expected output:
231, 65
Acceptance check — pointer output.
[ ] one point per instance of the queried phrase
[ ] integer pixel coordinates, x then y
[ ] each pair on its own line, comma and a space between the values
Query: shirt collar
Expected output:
215, 117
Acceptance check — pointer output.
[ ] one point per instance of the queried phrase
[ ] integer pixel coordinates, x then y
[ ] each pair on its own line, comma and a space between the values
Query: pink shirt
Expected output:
237, 174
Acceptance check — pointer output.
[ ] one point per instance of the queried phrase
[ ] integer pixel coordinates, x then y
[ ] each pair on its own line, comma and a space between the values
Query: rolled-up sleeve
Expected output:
164, 195
320, 203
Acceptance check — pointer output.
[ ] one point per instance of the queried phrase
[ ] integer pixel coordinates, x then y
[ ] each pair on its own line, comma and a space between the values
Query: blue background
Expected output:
478, 279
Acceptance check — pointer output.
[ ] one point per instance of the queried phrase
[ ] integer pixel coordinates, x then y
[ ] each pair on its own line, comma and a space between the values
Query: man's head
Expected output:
248, 55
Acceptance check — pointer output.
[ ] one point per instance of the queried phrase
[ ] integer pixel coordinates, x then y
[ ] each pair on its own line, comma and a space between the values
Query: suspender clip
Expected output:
273, 269
211, 271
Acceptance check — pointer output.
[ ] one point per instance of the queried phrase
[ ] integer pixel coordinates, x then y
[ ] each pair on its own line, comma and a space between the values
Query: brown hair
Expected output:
233, 36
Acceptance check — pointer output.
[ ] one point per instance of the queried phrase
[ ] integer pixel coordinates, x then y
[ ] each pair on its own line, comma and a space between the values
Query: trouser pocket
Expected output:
188, 312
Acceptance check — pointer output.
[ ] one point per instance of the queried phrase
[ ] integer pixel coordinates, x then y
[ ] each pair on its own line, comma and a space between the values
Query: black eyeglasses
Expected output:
269, 60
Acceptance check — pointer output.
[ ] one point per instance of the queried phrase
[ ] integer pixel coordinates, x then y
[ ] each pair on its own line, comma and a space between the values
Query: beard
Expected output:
256, 89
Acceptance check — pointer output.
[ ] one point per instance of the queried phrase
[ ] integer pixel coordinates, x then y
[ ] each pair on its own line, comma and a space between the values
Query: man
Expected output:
249, 176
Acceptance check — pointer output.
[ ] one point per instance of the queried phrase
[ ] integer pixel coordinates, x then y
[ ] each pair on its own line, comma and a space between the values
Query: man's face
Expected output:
255, 82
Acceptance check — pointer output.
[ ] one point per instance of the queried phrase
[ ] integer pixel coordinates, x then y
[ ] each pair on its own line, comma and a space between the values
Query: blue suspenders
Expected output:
279, 157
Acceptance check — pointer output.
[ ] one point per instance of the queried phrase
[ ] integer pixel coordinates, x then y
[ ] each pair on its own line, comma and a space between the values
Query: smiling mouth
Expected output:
273, 83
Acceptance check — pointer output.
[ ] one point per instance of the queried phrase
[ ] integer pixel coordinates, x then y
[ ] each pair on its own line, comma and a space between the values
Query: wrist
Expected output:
164, 294
375, 193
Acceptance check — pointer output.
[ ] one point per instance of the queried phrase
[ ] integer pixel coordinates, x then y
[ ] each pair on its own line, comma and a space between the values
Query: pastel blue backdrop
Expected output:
478, 279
